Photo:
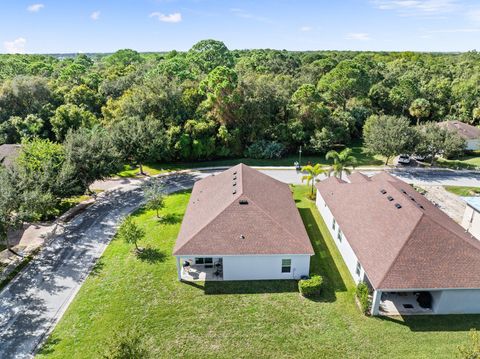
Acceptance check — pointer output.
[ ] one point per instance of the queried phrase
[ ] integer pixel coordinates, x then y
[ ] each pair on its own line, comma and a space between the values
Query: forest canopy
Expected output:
210, 102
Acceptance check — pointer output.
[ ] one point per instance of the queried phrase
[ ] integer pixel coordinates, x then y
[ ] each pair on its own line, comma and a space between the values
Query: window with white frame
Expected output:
339, 235
333, 224
286, 265
359, 268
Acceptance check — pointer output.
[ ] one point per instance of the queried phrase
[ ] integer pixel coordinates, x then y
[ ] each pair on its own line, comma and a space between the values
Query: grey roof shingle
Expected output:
215, 219
8, 154
416, 246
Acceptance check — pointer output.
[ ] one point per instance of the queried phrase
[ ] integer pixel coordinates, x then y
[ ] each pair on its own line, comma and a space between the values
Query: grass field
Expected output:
262, 319
463, 191
363, 159
470, 160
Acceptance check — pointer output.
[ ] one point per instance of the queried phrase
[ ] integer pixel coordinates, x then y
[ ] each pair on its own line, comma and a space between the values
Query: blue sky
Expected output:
53, 26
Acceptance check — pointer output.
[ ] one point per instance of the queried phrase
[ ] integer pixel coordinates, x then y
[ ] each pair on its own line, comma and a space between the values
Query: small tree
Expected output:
471, 351
341, 161
155, 195
130, 232
125, 345
313, 173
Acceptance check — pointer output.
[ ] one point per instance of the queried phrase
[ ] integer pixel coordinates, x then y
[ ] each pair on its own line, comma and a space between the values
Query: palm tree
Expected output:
341, 161
313, 172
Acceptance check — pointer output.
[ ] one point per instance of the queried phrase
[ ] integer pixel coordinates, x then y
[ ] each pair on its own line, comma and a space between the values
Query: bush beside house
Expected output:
363, 297
310, 287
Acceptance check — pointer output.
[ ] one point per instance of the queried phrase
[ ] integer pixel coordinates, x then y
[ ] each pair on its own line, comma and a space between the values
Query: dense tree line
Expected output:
212, 102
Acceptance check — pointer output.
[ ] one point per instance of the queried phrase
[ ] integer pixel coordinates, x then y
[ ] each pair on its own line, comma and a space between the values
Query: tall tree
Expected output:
420, 109
341, 161
434, 141
311, 177
388, 135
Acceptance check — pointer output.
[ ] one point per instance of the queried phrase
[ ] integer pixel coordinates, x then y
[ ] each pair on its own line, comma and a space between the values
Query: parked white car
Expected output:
404, 159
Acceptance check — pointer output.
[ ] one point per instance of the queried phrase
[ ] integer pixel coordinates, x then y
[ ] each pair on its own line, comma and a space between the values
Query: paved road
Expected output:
32, 304
415, 176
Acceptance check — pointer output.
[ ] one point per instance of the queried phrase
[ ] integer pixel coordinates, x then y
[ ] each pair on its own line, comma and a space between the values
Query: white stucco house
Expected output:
471, 216
413, 256
242, 225
469, 133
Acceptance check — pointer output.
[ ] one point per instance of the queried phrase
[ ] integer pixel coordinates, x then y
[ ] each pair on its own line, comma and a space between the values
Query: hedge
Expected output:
363, 297
310, 287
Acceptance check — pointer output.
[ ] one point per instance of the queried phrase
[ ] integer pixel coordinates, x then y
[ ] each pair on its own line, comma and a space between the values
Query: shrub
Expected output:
265, 150
310, 287
362, 294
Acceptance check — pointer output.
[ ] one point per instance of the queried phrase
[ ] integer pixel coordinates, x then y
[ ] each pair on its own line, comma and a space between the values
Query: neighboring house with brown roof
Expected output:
469, 133
242, 225
401, 245
8, 154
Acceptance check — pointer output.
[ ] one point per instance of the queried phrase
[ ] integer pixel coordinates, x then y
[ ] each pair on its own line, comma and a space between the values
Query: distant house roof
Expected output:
242, 212
473, 202
400, 238
465, 130
8, 154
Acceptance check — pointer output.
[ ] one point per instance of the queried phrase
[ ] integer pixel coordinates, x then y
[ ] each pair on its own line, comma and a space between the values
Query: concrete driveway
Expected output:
31, 304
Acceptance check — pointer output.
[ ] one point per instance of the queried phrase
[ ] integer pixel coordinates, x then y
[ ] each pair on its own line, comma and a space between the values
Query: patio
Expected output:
201, 269
401, 303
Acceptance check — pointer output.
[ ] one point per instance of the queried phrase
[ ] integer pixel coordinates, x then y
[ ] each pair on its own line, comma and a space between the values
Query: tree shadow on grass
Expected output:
171, 218
98, 267
151, 255
322, 262
251, 287
49, 346
436, 323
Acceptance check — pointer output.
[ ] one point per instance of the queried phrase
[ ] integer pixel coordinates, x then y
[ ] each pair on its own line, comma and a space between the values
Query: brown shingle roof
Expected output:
465, 130
416, 246
215, 219
8, 154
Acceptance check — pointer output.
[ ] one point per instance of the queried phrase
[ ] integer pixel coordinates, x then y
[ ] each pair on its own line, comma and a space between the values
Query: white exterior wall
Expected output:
472, 145
264, 267
344, 247
456, 301
471, 221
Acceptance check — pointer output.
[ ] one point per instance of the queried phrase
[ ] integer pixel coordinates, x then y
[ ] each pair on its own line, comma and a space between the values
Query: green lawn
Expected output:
363, 159
470, 160
263, 319
463, 191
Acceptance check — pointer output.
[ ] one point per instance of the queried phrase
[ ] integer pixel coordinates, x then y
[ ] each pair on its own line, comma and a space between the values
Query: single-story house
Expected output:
470, 133
242, 225
413, 256
471, 216
8, 154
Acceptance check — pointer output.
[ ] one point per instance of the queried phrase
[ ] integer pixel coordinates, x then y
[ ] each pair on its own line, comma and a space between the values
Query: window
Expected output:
339, 235
286, 265
359, 268
333, 224
206, 261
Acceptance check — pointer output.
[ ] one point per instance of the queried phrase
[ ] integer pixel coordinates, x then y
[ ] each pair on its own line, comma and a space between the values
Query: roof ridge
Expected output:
455, 234
273, 219
402, 248
214, 217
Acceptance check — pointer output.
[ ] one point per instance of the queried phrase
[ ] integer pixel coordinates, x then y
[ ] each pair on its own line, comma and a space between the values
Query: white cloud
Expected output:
306, 28
95, 15
16, 46
418, 7
172, 18
35, 7
359, 36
